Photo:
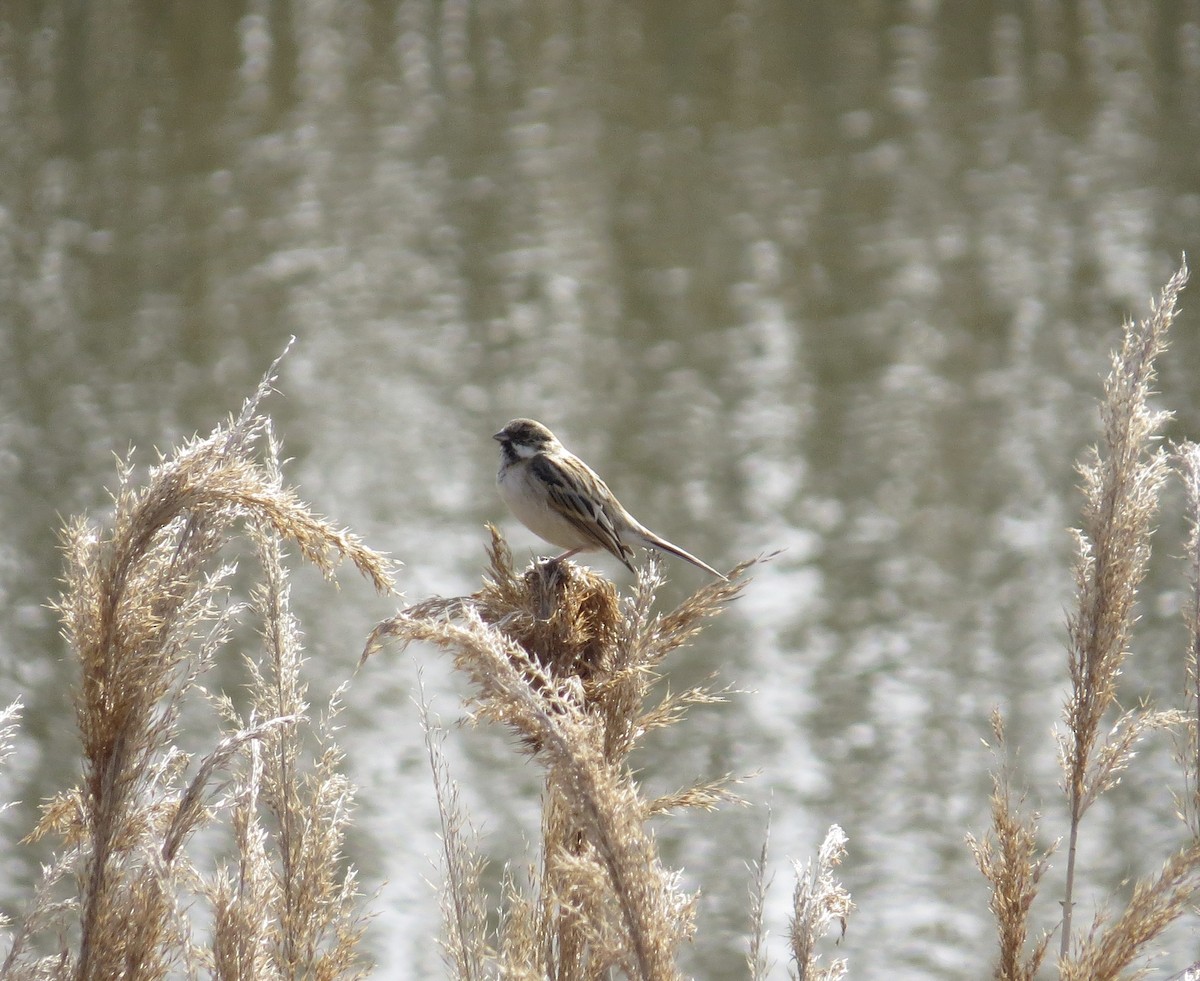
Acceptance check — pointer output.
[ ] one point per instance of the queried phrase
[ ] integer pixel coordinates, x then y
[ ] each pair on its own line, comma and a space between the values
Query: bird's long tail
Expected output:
649, 538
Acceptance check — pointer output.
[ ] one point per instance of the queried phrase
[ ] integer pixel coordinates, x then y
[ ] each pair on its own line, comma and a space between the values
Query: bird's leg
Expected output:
554, 566
550, 582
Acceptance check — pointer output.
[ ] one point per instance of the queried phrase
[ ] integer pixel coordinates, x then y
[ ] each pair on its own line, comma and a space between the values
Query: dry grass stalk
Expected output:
1120, 487
1012, 861
299, 905
555, 656
145, 612
1187, 464
520, 930
10, 720
243, 899
1120, 483
818, 901
1112, 945
756, 950
464, 907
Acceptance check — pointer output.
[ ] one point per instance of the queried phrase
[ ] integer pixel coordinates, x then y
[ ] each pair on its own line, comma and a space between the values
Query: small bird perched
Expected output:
560, 498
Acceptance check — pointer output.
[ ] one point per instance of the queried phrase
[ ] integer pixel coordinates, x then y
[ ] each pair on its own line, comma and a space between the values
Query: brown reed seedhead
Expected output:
244, 898
556, 656
757, 961
819, 901
1120, 484
1013, 863
292, 909
464, 905
10, 721
146, 610
564, 615
1187, 465
521, 928
1113, 945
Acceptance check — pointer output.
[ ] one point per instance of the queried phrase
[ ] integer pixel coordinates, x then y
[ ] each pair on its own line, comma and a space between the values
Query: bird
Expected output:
561, 499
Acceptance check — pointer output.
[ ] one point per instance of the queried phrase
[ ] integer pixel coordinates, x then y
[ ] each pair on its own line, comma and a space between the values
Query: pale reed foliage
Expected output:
1013, 862
556, 656
146, 609
1114, 942
818, 901
1120, 480
464, 912
10, 719
1120, 483
1187, 464
757, 961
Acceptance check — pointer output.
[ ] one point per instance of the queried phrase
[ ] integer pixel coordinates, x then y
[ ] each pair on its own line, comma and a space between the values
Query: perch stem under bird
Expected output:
561, 499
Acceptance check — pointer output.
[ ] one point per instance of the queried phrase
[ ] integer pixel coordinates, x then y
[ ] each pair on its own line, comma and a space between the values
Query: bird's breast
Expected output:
529, 502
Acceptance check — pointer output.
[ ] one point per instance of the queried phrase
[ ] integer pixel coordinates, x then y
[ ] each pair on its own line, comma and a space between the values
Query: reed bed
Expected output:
555, 655
146, 610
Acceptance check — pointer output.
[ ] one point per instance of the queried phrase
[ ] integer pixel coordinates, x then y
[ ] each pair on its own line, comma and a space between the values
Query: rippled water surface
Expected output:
838, 279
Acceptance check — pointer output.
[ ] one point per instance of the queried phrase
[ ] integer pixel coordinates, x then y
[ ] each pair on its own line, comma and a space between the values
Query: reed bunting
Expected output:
560, 498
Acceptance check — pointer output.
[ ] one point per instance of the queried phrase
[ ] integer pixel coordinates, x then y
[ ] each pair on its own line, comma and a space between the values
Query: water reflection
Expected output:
831, 278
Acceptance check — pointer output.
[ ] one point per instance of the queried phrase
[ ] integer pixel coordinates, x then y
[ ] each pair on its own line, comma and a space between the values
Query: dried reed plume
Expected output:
558, 658
757, 961
1120, 485
818, 902
463, 910
1121, 481
1187, 465
146, 610
1013, 863
10, 719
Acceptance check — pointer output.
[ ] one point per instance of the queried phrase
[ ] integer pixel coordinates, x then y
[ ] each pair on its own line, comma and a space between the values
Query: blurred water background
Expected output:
837, 278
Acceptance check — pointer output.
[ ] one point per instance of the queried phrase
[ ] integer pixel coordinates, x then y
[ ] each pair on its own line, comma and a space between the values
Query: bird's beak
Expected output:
498, 436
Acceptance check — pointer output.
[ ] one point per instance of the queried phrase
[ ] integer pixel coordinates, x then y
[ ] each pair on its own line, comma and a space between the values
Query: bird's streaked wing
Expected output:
583, 499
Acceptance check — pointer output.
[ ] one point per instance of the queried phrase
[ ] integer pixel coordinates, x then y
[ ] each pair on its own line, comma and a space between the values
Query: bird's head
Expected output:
526, 438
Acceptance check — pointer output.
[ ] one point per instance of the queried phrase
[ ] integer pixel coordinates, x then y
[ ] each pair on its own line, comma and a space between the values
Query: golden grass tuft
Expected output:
818, 901
146, 609
1120, 485
555, 655
1013, 862
1187, 465
149, 604
1121, 481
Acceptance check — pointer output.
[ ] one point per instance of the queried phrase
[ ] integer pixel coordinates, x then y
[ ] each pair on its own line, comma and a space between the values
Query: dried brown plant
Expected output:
1013, 862
1187, 465
757, 961
1113, 944
464, 912
292, 909
1121, 480
557, 657
818, 901
10, 719
1120, 484
145, 610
